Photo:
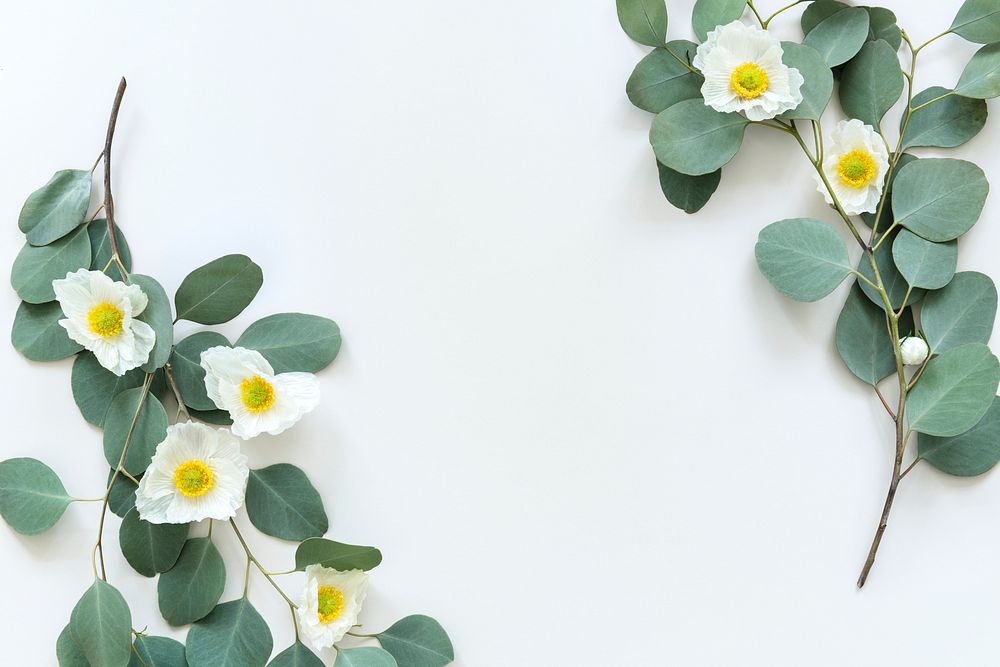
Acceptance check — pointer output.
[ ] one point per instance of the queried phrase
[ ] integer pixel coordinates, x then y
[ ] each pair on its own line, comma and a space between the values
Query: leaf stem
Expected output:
181, 407
768, 20
885, 403
252, 559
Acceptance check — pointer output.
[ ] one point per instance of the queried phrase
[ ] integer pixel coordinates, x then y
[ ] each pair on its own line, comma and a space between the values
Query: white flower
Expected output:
331, 603
855, 165
197, 473
914, 349
100, 315
241, 382
744, 71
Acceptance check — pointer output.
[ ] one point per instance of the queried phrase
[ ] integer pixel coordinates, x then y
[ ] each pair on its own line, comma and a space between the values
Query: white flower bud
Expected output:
914, 349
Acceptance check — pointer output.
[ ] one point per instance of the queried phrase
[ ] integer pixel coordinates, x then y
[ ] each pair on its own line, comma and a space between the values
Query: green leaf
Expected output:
872, 83
37, 335
923, 263
863, 339
95, 387
645, 21
882, 25
318, 551
218, 291
804, 259
233, 635
967, 454
981, 77
962, 312
191, 589
886, 220
57, 208
150, 548
367, 656
893, 281
955, 391
296, 655
100, 249
840, 36
185, 363
695, 139
36, 267
67, 652
281, 502
216, 417
158, 652
659, 81
709, 14
121, 500
101, 625
32, 499
418, 641
150, 429
818, 80
293, 341
939, 198
978, 21
688, 193
946, 123
157, 315
817, 11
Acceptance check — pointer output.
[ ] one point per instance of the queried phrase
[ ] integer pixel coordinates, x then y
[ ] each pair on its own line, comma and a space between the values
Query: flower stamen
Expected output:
257, 394
749, 80
331, 604
856, 168
106, 320
194, 478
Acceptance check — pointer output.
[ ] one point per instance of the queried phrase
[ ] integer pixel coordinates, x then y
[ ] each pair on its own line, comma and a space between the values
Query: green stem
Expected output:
768, 20
252, 559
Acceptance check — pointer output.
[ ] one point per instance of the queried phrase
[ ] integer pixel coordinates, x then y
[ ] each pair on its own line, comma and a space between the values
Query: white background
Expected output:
579, 424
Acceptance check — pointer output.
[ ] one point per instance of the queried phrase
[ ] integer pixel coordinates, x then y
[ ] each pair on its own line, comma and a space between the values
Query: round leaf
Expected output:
955, 391
121, 500
981, 77
101, 625
962, 312
150, 548
367, 656
57, 208
709, 14
36, 267
893, 281
219, 291
688, 193
947, 123
840, 36
217, 417
872, 83
233, 635
804, 259
293, 341
818, 85
318, 551
418, 641
939, 198
863, 339
923, 263
296, 655
191, 589
659, 81
157, 315
158, 652
95, 387
978, 21
185, 363
281, 502
695, 139
816, 11
150, 429
967, 454
67, 652
32, 499
100, 248
645, 21
882, 25
37, 335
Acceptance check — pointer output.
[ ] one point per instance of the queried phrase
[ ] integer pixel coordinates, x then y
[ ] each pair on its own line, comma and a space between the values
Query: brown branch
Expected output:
109, 200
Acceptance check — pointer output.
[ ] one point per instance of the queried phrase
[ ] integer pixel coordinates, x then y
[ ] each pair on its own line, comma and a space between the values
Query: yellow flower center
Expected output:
105, 319
331, 604
194, 478
257, 394
749, 80
856, 168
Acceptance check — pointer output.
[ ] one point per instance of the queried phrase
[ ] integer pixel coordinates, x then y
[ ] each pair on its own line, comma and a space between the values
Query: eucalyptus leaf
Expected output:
978, 21
100, 249
294, 341
819, 10
233, 635
32, 498
967, 454
695, 139
872, 83
296, 655
37, 266
185, 364
882, 25
101, 625
954, 392
282, 502
57, 208
418, 641
709, 14
37, 334
365, 656
981, 77
217, 417
645, 21
218, 291
659, 80
688, 193
157, 315
319, 551
150, 548
923, 263
939, 198
962, 312
190, 590
121, 500
887, 219
95, 387
863, 339
817, 86
949, 122
67, 652
150, 429
895, 284
840, 36
804, 259
158, 652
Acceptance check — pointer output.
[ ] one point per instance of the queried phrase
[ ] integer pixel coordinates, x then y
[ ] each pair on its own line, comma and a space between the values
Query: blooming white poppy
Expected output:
331, 603
744, 71
100, 315
914, 350
855, 165
197, 473
243, 383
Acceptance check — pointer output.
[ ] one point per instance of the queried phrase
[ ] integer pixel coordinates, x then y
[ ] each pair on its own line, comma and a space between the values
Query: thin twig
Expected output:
885, 403
109, 200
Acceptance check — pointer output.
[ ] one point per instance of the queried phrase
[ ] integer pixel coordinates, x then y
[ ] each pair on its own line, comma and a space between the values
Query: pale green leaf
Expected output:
923, 263
101, 625
150, 429
218, 291
158, 652
962, 312
185, 363
939, 198
817, 86
35, 267
294, 341
863, 339
709, 14
157, 315
882, 25
892, 280
32, 498
645, 21
37, 335
981, 77
954, 392
233, 635
67, 652
840, 36
100, 249
57, 208
804, 259
978, 21
694, 139
688, 193
190, 590
366, 656
150, 548
967, 454
949, 122
95, 387
418, 641
296, 655
282, 502
318, 551
871, 83
819, 10
659, 80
